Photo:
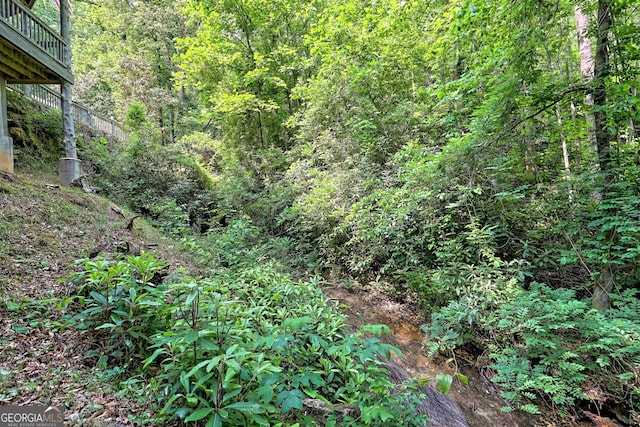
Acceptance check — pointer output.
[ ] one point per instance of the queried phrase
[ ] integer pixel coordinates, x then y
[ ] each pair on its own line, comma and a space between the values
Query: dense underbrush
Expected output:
244, 346
469, 254
546, 347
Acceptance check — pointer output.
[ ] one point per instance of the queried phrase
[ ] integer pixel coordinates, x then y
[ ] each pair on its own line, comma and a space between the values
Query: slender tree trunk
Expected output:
530, 168
604, 286
172, 125
565, 151
634, 123
586, 69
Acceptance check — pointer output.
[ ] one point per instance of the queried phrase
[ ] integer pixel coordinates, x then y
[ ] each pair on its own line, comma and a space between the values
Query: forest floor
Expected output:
45, 228
479, 400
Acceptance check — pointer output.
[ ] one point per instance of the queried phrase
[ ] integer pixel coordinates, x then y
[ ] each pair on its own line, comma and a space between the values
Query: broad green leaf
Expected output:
462, 378
98, 297
199, 414
378, 330
215, 421
297, 323
191, 336
443, 383
154, 355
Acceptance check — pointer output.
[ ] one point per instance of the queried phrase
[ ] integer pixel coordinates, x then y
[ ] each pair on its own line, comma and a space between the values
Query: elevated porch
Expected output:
32, 52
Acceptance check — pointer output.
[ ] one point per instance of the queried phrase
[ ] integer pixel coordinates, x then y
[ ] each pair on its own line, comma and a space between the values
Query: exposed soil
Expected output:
479, 400
43, 229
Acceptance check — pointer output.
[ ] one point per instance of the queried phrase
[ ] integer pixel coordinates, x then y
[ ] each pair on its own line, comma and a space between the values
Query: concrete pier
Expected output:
70, 169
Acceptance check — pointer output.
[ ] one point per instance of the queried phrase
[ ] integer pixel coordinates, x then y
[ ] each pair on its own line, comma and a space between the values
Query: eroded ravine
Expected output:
478, 399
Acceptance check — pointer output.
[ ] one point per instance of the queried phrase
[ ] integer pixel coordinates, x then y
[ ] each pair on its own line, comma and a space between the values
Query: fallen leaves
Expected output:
45, 229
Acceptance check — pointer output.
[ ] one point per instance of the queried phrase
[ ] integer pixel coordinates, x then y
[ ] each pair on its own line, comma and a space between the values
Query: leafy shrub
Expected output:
559, 344
163, 184
136, 116
480, 291
612, 233
430, 233
548, 345
254, 346
118, 300
245, 346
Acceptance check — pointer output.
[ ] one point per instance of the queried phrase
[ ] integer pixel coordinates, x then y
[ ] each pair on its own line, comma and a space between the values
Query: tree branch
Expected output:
546, 107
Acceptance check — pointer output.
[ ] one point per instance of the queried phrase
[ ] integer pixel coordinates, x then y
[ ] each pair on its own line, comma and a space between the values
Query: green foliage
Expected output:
480, 292
36, 133
48, 125
564, 343
609, 233
123, 60
246, 58
119, 300
255, 347
363, 73
245, 345
429, 239
548, 345
160, 182
136, 116
441, 147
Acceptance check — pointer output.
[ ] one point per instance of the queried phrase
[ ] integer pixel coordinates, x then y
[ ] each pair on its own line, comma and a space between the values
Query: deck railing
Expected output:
23, 21
81, 114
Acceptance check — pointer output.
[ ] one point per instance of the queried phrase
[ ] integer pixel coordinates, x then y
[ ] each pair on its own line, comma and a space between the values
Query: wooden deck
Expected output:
30, 51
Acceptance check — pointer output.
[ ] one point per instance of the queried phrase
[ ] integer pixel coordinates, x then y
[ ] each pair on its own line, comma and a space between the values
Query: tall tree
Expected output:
606, 279
586, 68
124, 53
245, 60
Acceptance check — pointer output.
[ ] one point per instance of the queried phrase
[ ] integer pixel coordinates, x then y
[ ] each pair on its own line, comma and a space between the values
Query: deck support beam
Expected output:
70, 166
6, 142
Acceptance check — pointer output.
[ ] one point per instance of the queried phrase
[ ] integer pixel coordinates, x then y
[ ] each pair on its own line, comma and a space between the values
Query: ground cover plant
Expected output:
244, 346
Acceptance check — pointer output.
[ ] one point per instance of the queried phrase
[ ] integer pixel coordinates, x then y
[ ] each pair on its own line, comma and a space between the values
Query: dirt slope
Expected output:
43, 229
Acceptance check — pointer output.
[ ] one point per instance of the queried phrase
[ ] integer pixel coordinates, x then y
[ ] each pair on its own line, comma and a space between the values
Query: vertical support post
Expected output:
26, 29
70, 167
6, 142
67, 120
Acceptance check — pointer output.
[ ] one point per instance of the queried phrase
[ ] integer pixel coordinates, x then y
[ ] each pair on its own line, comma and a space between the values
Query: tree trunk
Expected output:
565, 152
65, 87
67, 121
605, 283
586, 68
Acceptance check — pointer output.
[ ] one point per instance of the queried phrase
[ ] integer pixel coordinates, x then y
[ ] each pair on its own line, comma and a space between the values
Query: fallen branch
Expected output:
130, 225
117, 210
